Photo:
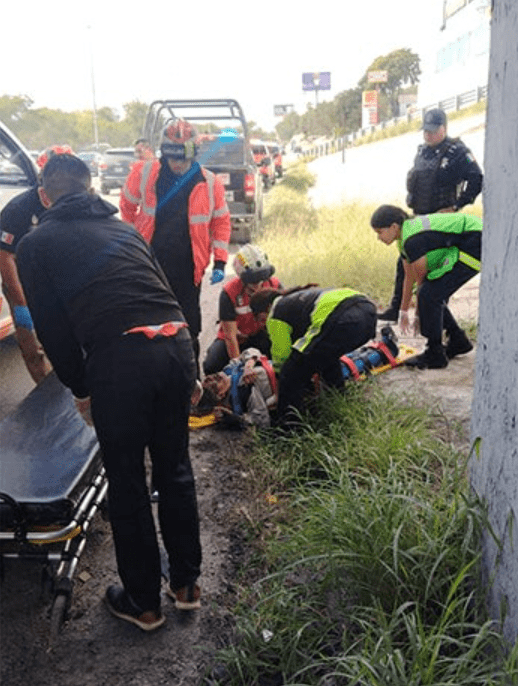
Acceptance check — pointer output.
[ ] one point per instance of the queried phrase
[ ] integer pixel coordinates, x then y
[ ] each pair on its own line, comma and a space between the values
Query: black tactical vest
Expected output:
428, 193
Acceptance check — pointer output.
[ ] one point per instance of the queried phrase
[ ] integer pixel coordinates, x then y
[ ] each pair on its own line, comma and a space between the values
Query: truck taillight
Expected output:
249, 185
103, 165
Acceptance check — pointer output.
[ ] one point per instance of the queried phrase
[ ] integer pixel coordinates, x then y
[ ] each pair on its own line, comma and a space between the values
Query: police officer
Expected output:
445, 177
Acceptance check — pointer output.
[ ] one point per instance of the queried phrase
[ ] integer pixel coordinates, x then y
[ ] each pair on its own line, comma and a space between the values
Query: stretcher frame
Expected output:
26, 531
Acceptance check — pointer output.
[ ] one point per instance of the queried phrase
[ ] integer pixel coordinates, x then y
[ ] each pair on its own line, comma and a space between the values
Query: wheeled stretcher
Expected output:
52, 482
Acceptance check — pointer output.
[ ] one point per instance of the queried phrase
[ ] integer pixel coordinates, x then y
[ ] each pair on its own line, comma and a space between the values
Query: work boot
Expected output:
431, 358
391, 314
458, 344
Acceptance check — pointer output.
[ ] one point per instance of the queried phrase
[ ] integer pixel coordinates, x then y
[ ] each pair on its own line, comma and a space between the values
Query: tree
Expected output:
348, 110
288, 126
13, 107
402, 68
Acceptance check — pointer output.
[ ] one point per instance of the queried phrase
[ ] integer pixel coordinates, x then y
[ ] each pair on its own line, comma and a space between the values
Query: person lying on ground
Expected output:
244, 393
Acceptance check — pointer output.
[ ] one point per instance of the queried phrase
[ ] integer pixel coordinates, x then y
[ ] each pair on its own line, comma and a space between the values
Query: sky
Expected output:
66, 55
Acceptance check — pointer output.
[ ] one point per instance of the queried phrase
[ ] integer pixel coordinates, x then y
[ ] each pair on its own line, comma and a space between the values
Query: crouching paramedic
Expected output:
115, 333
440, 252
238, 328
180, 209
310, 328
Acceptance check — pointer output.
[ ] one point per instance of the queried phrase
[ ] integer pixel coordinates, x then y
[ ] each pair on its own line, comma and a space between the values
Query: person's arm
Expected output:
469, 176
130, 197
220, 227
229, 330
11, 285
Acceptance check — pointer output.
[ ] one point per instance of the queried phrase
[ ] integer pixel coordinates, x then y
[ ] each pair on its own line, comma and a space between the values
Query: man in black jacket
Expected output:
115, 333
444, 178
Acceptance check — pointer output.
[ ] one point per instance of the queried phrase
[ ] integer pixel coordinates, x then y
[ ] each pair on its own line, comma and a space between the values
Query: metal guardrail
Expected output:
452, 104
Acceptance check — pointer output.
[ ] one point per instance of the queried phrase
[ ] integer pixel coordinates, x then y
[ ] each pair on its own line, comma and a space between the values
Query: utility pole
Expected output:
96, 131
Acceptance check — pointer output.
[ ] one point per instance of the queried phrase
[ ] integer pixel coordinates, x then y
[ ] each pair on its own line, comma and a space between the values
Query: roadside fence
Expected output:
452, 104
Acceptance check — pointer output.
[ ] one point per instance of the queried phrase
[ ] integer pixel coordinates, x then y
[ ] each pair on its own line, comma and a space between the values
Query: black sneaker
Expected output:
430, 359
186, 598
391, 314
458, 345
122, 606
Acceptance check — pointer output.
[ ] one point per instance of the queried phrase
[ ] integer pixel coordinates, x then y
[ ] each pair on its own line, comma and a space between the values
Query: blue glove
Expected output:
22, 317
217, 276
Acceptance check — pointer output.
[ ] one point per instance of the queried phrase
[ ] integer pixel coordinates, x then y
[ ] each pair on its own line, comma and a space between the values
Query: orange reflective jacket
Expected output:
209, 218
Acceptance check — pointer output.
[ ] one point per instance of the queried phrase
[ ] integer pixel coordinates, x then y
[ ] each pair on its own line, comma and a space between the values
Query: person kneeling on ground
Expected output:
440, 252
244, 393
310, 328
238, 328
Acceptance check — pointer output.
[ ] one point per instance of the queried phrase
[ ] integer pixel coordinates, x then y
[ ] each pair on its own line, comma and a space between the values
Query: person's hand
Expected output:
217, 276
83, 406
404, 322
249, 376
197, 393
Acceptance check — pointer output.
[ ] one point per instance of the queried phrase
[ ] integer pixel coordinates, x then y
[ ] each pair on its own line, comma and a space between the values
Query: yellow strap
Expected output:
201, 422
469, 260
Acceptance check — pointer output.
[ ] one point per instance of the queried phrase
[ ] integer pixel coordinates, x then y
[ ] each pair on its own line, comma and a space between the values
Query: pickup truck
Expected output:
18, 172
224, 149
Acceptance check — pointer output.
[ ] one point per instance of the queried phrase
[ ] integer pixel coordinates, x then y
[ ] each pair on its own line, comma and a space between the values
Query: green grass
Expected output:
369, 559
331, 246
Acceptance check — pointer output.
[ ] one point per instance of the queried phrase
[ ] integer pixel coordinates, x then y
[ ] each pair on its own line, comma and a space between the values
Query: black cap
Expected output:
433, 119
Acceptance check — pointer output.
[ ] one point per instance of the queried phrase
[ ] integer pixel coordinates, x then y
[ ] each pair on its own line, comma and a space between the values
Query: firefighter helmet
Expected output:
251, 264
178, 140
50, 152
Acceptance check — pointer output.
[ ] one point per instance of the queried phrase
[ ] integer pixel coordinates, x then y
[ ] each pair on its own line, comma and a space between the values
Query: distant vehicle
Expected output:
92, 160
114, 168
277, 153
18, 172
264, 161
226, 153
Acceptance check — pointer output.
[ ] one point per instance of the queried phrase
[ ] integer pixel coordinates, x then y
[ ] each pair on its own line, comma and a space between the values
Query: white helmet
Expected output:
251, 264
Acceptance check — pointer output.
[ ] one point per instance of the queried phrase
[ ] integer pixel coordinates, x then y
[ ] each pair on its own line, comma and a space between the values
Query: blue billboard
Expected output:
319, 80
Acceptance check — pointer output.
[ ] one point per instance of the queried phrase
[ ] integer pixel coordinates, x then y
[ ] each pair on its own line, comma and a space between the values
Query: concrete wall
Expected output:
494, 473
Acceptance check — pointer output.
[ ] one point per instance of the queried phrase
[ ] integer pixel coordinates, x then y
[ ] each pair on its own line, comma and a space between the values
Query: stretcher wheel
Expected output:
57, 616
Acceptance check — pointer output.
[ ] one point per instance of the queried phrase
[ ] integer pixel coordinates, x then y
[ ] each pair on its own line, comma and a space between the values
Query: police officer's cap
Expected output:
433, 119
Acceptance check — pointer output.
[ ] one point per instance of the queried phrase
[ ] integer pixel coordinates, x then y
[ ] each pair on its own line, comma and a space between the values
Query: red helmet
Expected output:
50, 152
178, 140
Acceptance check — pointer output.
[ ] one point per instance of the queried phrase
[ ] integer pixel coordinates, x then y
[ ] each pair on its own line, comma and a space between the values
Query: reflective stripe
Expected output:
129, 196
426, 223
220, 244
469, 260
153, 330
199, 219
245, 309
301, 343
146, 171
220, 213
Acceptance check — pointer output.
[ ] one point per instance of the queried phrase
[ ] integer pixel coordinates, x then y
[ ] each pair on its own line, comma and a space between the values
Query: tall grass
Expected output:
331, 246
370, 558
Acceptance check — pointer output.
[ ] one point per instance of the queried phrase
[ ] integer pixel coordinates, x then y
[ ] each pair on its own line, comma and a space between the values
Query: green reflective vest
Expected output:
442, 260
280, 331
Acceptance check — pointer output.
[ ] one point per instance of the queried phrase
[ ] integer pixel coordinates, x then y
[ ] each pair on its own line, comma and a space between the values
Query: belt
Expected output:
153, 330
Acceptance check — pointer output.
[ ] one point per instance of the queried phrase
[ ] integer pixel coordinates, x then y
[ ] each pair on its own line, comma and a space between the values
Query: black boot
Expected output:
458, 344
391, 314
432, 358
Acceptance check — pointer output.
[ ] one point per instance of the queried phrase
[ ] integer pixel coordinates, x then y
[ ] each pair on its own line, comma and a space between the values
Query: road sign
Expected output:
316, 81
281, 110
380, 76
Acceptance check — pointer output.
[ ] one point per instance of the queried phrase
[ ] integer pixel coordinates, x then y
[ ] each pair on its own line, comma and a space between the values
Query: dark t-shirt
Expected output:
424, 242
18, 217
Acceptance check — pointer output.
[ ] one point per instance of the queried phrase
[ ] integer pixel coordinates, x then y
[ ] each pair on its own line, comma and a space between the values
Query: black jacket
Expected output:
89, 277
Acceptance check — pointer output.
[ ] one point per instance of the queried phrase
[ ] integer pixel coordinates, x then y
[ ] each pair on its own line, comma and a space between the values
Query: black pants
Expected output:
140, 391
217, 355
346, 329
432, 303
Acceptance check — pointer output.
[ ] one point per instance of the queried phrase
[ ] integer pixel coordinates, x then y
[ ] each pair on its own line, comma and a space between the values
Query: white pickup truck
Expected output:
18, 172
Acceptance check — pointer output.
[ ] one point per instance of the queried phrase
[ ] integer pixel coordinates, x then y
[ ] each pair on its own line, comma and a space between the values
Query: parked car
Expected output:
264, 161
92, 159
18, 172
233, 163
114, 167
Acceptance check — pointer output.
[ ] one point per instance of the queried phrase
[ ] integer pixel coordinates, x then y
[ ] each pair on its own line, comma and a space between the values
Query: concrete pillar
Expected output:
494, 472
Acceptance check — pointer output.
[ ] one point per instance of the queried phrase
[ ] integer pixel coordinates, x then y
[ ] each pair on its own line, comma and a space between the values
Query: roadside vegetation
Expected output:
364, 535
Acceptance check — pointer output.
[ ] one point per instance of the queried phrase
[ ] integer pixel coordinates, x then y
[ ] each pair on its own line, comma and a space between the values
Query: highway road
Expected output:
377, 171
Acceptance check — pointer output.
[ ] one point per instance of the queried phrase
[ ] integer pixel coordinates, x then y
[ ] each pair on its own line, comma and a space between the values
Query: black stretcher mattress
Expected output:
48, 456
